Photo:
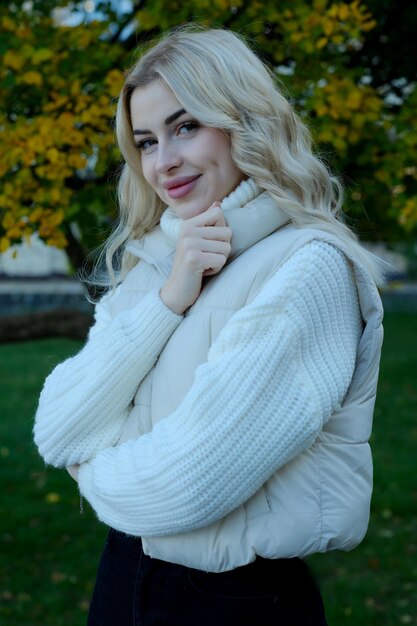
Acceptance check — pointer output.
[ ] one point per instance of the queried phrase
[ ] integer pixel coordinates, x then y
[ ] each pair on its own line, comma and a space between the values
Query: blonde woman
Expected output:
218, 417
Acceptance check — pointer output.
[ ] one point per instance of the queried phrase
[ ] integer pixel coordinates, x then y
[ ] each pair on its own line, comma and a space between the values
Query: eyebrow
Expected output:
167, 122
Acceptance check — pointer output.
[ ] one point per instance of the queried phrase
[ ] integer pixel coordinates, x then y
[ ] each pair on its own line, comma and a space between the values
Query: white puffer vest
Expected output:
319, 501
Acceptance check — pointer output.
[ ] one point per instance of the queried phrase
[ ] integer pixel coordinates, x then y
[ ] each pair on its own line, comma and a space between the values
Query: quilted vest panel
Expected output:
320, 500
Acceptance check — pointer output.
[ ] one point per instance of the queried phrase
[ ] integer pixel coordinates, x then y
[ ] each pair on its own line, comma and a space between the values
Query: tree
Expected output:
58, 86
58, 83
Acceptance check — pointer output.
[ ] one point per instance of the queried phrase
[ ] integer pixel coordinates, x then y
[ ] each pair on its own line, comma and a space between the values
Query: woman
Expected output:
217, 418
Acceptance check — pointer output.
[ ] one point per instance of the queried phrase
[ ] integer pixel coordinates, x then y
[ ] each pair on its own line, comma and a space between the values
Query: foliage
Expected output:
58, 84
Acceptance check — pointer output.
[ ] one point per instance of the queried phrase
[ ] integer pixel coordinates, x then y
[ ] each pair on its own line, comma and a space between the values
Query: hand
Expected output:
202, 250
73, 471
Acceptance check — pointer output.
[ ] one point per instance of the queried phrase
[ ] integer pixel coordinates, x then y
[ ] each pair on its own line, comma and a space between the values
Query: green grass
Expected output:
49, 552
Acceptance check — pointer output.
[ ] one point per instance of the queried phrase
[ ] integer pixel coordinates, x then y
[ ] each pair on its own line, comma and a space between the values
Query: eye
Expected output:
187, 127
145, 144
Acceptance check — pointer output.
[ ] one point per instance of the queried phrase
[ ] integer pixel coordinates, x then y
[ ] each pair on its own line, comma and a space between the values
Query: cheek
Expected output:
213, 146
220, 151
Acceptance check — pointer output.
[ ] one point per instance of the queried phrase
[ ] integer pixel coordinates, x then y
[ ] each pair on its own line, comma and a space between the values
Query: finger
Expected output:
212, 217
212, 272
213, 262
219, 233
216, 247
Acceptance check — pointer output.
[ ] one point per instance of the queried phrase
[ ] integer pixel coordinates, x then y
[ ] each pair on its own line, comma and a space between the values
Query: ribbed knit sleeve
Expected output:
85, 400
275, 374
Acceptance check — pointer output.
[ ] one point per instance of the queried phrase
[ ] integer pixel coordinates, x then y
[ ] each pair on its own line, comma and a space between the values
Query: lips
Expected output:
179, 187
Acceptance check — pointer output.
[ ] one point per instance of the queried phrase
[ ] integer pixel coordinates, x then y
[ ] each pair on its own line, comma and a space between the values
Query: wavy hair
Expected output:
220, 81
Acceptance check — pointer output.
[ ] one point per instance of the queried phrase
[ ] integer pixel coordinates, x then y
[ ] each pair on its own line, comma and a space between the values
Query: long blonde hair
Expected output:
219, 80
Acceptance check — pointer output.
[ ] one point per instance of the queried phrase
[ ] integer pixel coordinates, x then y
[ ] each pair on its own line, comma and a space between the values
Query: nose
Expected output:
168, 158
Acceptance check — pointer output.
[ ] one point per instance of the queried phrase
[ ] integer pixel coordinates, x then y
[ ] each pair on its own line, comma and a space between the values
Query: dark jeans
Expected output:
133, 589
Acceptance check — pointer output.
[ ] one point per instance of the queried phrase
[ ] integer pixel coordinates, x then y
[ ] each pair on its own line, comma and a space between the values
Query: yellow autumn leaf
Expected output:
312, 20
333, 10
339, 143
408, 214
55, 218
77, 161
358, 121
4, 244
13, 60
74, 137
353, 100
36, 143
58, 240
8, 221
328, 27
8, 24
26, 50
56, 101
45, 230
14, 232
41, 55
334, 111
55, 195
321, 109
321, 43
343, 11
52, 155
114, 81
297, 37
326, 135
374, 104
369, 25
35, 215
338, 39
66, 120
5, 202
32, 78
27, 157
75, 88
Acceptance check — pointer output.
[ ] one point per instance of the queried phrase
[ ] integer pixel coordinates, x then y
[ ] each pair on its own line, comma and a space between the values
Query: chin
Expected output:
191, 208
187, 213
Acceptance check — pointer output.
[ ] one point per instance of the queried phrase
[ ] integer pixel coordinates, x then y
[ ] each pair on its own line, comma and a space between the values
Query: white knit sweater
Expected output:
276, 373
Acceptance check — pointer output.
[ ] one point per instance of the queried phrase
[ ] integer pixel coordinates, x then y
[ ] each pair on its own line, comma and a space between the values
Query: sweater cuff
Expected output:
151, 313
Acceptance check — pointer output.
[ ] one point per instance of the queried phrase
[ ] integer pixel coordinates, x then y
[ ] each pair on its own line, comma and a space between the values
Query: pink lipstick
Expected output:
179, 187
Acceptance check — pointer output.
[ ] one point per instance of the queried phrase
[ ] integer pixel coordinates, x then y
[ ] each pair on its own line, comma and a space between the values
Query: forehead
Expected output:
152, 104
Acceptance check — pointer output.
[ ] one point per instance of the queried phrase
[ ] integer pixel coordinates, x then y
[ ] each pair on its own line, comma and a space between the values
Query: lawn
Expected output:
49, 551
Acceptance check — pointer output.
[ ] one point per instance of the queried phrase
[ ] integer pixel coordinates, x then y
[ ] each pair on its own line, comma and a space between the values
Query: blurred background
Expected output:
350, 70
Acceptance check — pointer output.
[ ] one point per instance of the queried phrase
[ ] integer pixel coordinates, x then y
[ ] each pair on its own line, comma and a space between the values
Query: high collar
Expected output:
251, 214
245, 192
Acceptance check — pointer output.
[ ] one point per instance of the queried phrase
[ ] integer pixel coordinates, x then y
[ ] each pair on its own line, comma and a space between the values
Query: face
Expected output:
187, 164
